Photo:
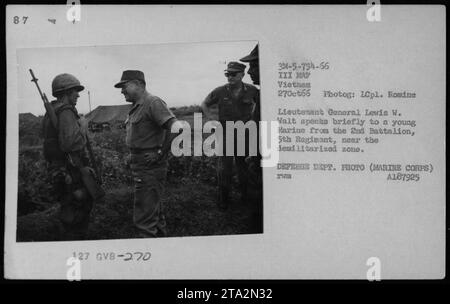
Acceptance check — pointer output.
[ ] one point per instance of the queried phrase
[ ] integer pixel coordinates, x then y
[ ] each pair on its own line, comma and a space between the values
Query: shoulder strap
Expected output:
63, 108
249, 86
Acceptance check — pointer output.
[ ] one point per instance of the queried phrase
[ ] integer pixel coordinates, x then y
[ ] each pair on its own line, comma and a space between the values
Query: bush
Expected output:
190, 196
35, 189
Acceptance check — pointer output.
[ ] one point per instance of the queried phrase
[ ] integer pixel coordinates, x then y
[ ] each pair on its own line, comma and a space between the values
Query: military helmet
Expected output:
64, 82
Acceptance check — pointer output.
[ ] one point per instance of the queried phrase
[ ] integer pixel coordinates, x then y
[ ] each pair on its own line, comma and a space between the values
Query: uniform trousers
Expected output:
149, 180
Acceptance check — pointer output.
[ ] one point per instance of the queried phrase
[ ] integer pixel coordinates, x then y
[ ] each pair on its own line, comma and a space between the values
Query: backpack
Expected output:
52, 150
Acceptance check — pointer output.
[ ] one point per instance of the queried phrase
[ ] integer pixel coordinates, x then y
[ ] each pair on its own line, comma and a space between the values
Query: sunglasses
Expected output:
231, 74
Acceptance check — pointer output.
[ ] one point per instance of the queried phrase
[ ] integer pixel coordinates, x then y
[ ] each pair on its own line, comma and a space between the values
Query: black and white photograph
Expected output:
95, 138
225, 142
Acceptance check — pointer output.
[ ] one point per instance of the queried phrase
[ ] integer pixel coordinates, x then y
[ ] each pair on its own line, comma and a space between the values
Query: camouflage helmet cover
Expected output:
64, 82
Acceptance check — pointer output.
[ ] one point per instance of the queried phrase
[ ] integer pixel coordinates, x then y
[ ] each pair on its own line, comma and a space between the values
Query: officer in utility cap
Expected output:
148, 138
235, 101
65, 152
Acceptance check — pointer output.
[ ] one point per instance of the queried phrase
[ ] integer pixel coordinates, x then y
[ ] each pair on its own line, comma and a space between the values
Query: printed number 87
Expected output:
17, 19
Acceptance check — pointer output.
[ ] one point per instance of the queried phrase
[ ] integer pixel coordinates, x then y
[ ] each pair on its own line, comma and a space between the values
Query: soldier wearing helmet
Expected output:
64, 150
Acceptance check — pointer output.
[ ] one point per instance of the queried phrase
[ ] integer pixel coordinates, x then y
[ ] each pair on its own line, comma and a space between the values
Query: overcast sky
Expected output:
181, 74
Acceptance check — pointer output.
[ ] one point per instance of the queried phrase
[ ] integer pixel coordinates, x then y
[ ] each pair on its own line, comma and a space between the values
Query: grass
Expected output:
190, 209
189, 199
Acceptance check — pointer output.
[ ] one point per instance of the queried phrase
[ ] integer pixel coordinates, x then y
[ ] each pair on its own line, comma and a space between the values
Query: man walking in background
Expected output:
148, 138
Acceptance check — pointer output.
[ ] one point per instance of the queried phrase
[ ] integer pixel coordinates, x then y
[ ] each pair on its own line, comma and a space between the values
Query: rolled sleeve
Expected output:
211, 99
160, 113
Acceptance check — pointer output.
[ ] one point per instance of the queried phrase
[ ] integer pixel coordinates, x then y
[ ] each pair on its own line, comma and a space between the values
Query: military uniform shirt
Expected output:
233, 108
144, 123
70, 136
